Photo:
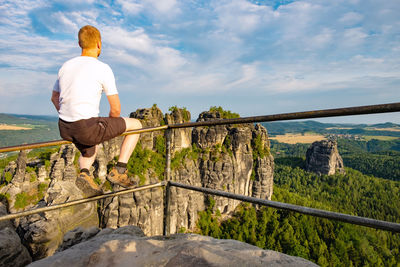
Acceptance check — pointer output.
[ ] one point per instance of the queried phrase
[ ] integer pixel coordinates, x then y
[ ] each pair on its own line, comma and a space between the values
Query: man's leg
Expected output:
119, 174
130, 141
87, 162
84, 181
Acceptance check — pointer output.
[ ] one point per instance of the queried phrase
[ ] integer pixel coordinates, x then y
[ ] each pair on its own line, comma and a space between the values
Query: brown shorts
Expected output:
86, 134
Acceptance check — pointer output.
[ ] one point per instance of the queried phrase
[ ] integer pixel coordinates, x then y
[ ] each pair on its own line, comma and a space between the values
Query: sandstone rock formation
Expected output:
323, 158
127, 246
181, 138
144, 209
233, 158
12, 252
149, 117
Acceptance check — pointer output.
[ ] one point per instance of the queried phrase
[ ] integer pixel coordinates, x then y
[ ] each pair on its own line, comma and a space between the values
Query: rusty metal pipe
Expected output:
350, 111
377, 224
64, 142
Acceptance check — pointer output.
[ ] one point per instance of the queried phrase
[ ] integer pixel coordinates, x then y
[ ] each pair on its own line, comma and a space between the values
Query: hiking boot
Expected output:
121, 179
86, 184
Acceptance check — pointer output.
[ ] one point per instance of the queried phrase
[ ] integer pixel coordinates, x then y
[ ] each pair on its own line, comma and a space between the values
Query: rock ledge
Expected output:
127, 246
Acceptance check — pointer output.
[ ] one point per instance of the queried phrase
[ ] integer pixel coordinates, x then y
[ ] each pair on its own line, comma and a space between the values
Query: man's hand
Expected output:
115, 105
55, 98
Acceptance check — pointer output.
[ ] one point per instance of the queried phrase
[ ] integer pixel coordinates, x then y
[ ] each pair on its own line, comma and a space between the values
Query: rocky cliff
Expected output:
233, 158
323, 158
37, 184
128, 246
12, 252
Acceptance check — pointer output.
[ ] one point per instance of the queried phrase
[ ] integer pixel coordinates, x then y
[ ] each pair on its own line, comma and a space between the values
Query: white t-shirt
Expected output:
80, 82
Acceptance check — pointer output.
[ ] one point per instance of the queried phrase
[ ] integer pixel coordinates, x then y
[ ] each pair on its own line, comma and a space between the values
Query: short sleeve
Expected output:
109, 85
56, 86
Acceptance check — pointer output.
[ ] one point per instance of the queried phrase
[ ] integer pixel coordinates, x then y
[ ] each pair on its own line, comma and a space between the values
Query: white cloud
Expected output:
325, 37
241, 17
14, 13
165, 6
60, 22
351, 18
32, 52
215, 47
369, 60
164, 9
130, 7
74, 2
136, 40
354, 36
25, 83
169, 59
249, 73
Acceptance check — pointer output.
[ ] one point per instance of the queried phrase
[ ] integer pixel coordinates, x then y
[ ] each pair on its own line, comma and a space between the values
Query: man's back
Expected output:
81, 81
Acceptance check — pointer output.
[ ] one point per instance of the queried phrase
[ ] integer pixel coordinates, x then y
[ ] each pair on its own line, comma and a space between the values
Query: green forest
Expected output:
370, 188
325, 242
382, 129
375, 157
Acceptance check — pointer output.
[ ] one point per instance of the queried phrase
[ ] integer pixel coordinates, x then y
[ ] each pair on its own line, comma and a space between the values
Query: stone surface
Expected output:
12, 252
128, 247
77, 236
323, 158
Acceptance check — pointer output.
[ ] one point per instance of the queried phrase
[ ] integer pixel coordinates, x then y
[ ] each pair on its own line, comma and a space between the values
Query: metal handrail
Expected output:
324, 113
372, 223
64, 142
377, 224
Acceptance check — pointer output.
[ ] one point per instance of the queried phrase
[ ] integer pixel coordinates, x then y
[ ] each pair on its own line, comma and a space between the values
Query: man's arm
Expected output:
115, 105
55, 98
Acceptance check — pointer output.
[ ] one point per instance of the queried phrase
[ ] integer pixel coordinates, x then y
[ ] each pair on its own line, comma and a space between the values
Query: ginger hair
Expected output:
88, 37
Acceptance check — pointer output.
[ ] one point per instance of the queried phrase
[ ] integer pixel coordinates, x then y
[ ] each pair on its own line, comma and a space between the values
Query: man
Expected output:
76, 96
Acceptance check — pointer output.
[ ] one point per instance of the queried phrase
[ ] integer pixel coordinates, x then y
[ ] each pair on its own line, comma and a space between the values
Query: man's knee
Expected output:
132, 124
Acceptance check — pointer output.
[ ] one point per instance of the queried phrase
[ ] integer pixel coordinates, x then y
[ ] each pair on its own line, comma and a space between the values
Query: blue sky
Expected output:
251, 57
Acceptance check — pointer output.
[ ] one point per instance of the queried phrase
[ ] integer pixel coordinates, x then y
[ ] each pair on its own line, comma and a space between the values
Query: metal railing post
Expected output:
168, 137
166, 230
167, 178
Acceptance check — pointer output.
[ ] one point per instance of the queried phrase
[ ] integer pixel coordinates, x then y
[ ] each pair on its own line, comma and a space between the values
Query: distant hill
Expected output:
6, 118
382, 129
34, 117
41, 128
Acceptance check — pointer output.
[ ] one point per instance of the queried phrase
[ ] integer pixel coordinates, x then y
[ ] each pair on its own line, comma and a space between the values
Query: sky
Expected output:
250, 57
